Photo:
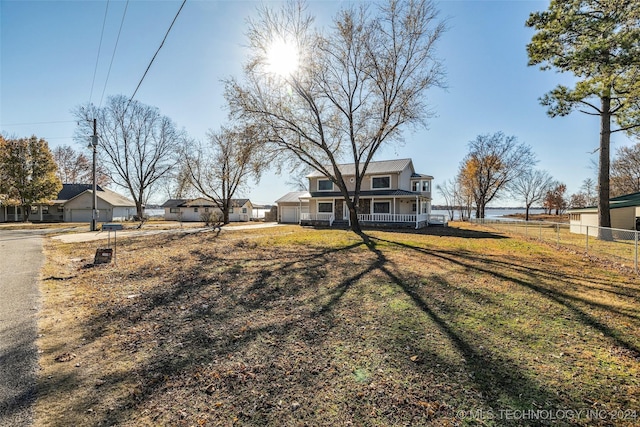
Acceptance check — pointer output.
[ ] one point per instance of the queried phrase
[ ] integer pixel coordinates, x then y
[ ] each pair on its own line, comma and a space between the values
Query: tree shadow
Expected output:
529, 277
249, 333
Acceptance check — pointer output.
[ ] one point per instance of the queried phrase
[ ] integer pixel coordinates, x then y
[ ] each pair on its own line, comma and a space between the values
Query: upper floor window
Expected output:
244, 210
421, 186
325, 185
381, 182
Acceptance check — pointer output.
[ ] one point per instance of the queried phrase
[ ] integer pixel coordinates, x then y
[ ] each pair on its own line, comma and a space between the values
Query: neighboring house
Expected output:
291, 205
74, 203
111, 206
192, 209
624, 210
392, 195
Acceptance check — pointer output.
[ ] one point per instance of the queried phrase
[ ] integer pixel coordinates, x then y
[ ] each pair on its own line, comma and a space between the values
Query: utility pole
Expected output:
94, 145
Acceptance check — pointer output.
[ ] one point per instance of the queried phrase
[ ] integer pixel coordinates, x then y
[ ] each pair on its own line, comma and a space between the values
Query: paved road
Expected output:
103, 235
21, 258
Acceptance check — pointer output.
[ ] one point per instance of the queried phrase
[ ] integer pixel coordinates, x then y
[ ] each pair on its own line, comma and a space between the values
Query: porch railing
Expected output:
384, 217
305, 216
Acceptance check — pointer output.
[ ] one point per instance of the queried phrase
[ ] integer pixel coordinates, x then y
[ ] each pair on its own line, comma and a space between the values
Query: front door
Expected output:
338, 210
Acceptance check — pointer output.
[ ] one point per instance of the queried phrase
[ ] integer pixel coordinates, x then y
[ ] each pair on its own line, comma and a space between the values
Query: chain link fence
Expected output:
614, 244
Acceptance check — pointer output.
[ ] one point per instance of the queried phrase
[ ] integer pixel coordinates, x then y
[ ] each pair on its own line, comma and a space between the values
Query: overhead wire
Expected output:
95, 69
114, 53
156, 54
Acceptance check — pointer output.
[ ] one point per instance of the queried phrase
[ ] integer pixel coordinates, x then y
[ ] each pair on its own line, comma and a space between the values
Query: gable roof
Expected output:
294, 196
113, 198
173, 203
374, 168
624, 201
69, 191
109, 196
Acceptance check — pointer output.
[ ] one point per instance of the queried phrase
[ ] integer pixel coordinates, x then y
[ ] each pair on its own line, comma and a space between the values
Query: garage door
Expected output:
289, 214
80, 215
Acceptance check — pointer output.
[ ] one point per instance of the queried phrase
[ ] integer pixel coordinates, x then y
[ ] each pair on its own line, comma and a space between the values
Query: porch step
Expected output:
341, 223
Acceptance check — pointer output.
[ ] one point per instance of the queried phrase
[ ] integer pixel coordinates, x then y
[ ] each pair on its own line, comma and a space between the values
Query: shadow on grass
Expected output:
260, 337
532, 274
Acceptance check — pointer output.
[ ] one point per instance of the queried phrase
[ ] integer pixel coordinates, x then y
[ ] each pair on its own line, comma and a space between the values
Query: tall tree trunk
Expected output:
355, 224
526, 212
139, 209
604, 213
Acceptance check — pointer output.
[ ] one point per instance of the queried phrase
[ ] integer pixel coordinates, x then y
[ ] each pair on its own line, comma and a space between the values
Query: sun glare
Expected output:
282, 58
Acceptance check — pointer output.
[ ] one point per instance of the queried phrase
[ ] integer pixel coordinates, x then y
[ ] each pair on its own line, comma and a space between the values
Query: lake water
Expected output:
493, 213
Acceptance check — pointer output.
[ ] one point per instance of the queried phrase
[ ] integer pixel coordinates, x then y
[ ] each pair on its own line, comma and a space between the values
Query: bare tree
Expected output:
221, 167
449, 190
357, 86
532, 186
590, 190
75, 167
625, 171
493, 162
136, 144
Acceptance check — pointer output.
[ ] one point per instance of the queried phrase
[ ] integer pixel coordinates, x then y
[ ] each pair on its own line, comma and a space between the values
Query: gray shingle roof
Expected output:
293, 196
377, 167
69, 191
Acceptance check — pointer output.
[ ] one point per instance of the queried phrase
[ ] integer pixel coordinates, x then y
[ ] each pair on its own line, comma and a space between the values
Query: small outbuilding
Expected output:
625, 215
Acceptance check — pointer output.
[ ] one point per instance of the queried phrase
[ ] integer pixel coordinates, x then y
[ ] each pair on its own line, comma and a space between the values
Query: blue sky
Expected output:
48, 52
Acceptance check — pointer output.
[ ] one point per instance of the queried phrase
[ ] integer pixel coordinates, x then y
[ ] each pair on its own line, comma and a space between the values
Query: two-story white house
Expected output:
392, 194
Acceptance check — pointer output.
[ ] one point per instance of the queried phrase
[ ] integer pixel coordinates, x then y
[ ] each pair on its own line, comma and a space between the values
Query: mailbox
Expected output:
111, 227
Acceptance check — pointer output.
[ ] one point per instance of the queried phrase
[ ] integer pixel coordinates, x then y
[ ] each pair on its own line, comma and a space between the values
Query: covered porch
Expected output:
404, 210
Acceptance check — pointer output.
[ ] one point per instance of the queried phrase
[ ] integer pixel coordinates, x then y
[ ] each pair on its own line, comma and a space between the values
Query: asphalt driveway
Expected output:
21, 258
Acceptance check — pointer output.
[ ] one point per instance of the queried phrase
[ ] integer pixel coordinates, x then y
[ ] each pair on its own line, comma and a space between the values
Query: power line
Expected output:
95, 70
114, 52
37, 123
154, 56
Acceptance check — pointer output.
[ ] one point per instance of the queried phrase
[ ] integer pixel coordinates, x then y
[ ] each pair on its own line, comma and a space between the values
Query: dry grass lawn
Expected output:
301, 327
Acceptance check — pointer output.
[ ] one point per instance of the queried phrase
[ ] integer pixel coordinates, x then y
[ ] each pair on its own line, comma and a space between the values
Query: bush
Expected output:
211, 219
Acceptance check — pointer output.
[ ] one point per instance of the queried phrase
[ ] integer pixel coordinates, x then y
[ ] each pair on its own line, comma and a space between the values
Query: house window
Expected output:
34, 209
415, 186
413, 207
45, 209
426, 186
195, 209
60, 208
325, 207
244, 210
174, 210
381, 182
381, 207
206, 209
230, 210
325, 185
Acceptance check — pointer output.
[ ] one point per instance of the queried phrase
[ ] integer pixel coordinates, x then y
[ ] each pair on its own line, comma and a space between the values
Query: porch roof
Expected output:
367, 193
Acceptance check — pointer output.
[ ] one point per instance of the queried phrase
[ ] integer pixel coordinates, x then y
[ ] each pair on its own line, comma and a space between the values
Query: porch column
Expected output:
40, 210
417, 211
394, 207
